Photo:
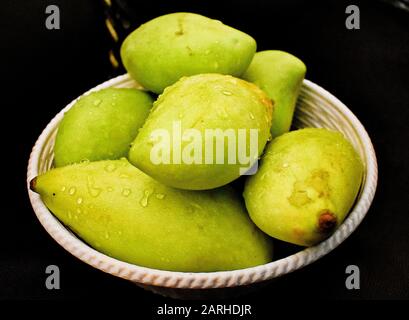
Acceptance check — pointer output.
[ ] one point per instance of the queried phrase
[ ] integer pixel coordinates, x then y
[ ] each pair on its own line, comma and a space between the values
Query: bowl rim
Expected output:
204, 280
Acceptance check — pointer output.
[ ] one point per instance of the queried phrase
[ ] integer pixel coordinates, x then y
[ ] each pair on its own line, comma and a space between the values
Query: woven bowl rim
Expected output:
205, 280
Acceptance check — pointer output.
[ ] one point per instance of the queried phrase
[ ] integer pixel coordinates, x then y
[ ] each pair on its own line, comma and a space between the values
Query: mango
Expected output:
306, 184
101, 125
203, 132
161, 51
280, 75
122, 212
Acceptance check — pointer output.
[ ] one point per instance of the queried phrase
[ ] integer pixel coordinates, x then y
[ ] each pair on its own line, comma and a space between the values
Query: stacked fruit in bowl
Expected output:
152, 180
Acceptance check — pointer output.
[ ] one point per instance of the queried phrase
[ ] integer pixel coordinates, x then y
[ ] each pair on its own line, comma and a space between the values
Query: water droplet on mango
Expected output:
110, 167
92, 189
145, 198
126, 192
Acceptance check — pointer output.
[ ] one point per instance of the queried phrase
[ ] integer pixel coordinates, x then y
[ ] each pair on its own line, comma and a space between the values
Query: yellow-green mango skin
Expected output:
206, 101
125, 214
101, 125
280, 75
306, 184
161, 51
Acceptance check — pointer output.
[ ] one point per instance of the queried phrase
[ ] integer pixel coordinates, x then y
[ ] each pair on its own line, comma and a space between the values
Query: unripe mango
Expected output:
161, 51
306, 184
101, 125
125, 214
280, 75
215, 126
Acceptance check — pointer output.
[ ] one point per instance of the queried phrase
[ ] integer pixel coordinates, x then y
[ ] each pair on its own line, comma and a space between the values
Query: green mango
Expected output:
125, 214
161, 51
101, 125
280, 75
306, 184
203, 104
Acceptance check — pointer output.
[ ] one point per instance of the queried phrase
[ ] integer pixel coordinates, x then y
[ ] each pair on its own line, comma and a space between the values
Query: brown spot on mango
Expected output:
33, 183
327, 221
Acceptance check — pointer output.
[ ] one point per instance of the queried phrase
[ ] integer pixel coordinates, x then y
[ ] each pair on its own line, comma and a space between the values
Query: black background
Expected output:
368, 69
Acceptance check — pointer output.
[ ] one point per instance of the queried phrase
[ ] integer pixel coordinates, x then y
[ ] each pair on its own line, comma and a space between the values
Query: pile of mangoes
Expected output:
185, 215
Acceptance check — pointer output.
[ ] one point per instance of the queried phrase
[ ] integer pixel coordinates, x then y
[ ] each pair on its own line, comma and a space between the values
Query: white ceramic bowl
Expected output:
316, 108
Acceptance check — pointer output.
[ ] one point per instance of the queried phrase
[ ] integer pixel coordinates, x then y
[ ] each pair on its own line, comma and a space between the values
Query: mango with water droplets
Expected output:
161, 51
306, 184
280, 75
124, 213
203, 132
101, 125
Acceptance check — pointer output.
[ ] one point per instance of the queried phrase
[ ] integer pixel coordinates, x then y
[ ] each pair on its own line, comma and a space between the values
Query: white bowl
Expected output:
316, 107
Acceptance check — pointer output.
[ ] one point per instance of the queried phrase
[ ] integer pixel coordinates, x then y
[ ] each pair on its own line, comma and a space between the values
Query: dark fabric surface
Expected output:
368, 69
